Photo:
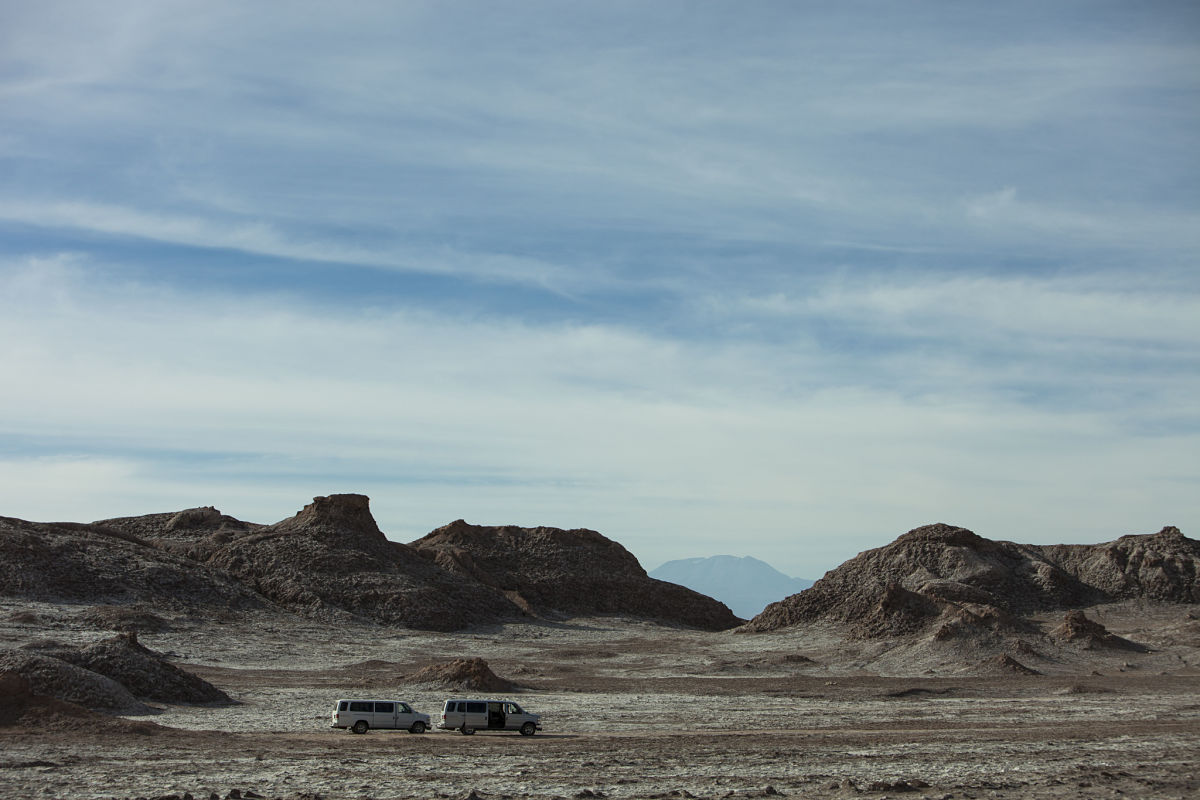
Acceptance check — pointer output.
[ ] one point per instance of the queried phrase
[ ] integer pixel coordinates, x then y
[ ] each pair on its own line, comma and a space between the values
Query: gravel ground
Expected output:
632, 710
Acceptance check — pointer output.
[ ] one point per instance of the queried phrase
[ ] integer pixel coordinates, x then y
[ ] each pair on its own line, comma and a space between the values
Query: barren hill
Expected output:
950, 574
567, 572
63, 561
332, 556
331, 560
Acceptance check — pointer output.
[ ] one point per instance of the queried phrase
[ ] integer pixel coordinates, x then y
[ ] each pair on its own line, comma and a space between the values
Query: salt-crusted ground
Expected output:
634, 710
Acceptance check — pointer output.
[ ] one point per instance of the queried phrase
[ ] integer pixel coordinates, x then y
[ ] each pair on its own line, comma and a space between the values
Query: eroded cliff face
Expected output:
331, 559
1160, 566
555, 572
947, 575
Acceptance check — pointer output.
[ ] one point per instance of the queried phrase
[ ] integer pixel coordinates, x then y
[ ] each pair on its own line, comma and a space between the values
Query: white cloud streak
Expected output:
574, 425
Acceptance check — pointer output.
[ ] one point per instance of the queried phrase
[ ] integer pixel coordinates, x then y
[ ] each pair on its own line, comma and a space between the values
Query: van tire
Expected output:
465, 731
417, 727
360, 726
528, 729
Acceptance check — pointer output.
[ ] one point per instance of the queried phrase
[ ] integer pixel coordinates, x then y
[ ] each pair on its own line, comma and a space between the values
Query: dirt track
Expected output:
630, 711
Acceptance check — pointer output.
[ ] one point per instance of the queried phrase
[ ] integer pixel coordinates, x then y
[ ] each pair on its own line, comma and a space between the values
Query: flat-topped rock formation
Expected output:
331, 556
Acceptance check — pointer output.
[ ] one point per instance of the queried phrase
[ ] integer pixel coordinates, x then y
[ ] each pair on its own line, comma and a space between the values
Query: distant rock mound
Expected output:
1077, 628
950, 574
462, 674
1005, 665
555, 572
1163, 566
903, 587
23, 706
138, 670
54, 677
193, 532
331, 557
98, 564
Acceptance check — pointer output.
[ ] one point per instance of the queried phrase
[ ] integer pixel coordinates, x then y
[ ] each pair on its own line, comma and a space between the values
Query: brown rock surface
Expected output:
54, 677
559, 572
467, 674
1076, 627
332, 557
94, 564
1161, 566
947, 572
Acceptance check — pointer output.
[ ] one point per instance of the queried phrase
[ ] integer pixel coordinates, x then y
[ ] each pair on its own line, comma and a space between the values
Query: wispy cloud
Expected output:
646, 268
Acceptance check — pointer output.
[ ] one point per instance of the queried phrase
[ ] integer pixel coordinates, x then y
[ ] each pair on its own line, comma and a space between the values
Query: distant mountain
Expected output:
744, 584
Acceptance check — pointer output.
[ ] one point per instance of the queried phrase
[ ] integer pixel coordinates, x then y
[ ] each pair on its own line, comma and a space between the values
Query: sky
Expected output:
777, 279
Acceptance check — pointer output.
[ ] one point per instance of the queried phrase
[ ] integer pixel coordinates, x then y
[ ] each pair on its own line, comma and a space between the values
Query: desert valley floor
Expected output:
632, 710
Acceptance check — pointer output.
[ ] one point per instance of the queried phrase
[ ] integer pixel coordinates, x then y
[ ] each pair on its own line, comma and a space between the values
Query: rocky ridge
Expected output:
952, 582
555, 572
331, 561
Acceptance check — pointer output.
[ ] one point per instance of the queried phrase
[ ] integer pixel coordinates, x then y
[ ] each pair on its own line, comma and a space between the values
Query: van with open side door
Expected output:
362, 715
468, 716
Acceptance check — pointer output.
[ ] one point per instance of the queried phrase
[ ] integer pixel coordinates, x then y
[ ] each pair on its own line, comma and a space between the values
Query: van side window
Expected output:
342, 705
384, 708
477, 708
404, 708
361, 706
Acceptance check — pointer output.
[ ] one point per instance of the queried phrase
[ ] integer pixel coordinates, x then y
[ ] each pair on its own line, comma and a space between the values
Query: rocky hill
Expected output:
747, 585
550, 571
100, 564
331, 560
942, 575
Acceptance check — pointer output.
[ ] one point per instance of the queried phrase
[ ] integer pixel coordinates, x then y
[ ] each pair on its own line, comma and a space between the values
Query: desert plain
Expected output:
631, 709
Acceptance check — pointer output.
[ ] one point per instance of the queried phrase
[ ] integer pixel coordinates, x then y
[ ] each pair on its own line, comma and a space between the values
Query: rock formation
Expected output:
949, 576
332, 557
462, 674
555, 572
99, 564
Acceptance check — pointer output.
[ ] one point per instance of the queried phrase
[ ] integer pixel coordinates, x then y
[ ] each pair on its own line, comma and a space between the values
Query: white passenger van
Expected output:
468, 716
362, 715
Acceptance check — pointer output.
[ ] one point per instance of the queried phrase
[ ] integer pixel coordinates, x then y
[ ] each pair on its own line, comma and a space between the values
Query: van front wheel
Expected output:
417, 727
465, 731
360, 726
528, 728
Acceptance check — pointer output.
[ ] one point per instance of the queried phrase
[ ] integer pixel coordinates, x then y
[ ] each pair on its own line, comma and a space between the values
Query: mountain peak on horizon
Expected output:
744, 583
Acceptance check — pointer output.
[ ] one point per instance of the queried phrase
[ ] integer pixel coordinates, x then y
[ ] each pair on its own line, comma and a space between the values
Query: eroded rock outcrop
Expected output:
98, 564
947, 576
332, 557
462, 674
904, 587
557, 572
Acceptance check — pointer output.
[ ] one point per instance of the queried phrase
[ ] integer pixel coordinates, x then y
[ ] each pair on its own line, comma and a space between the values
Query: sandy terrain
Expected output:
635, 710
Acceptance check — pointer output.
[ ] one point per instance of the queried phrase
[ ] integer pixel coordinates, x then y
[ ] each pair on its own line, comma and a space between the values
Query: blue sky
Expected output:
771, 279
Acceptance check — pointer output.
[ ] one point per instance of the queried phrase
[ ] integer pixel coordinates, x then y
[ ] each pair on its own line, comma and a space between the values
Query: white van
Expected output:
468, 716
362, 715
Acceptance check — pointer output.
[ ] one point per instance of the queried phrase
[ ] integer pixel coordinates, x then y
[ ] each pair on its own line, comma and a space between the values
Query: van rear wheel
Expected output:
465, 731
528, 729
417, 727
360, 726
